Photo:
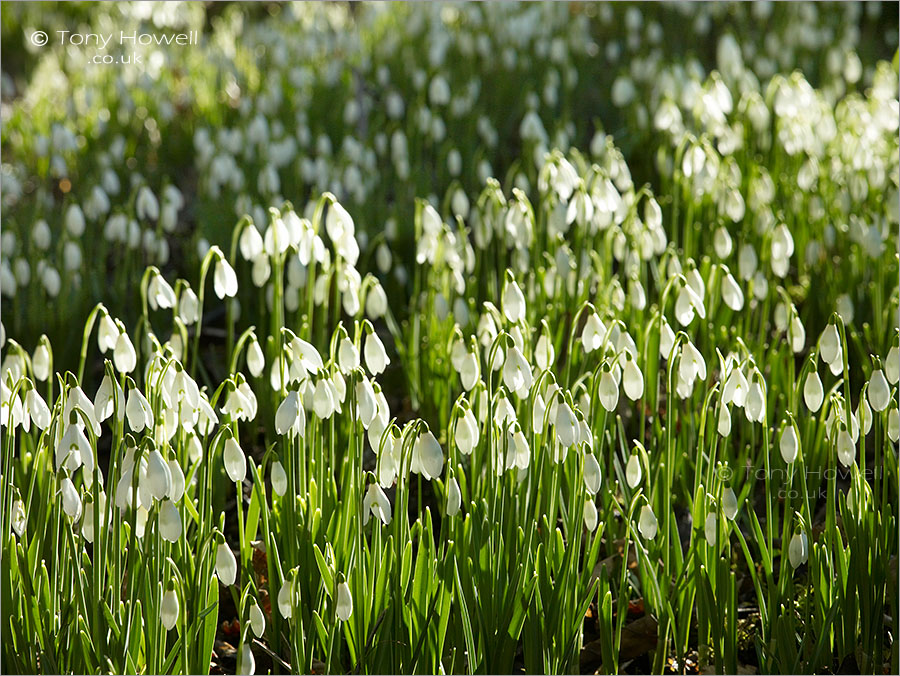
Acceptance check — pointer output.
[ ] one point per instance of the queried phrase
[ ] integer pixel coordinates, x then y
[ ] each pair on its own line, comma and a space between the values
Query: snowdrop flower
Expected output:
138, 411
846, 449
470, 371
593, 334
285, 596
466, 432
798, 550
19, 519
74, 221
633, 471
632, 379
544, 354
376, 503
225, 281
306, 356
289, 417
732, 295
375, 354
170, 527
722, 242
513, 301
176, 491
589, 515
797, 334
893, 426
226, 564
892, 365
37, 409
427, 456
146, 205
257, 619
789, 444
323, 400
518, 453
235, 460
879, 392
830, 345
710, 528
729, 503
256, 361
40, 361
647, 522
108, 395
454, 497
250, 242
591, 474
367, 405
73, 448
189, 307
736, 388
567, 429
344, 605
517, 374
159, 478
71, 501
813, 393
159, 293
124, 356
724, 419
376, 302
608, 391
686, 304
279, 478
169, 609
755, 406
348, 356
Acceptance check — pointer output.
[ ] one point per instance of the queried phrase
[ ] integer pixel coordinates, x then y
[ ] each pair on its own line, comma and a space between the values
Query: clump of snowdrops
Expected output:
595, 393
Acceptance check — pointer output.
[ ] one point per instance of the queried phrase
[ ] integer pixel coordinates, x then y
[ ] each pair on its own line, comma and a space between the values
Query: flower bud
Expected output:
169, 609
879, 392
608, 391
344, 605
170, 527
789, 444
257, 619
729, 503
375, 354
427, 456
71, 501
348, 356
590, 515
226, 565
798, 550
632, 380
124, 356
256, 361
647, 523
454, 497
633, 471
591, 474
159, 479
813, 394
235, 460
285, 602
830, 345
710, 527
466, 432
279, 478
